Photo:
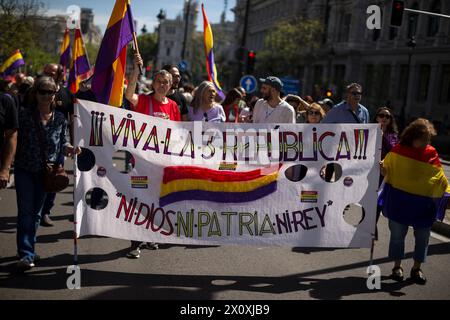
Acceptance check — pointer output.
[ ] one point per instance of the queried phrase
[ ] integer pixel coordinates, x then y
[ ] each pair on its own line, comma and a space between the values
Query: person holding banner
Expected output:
415, 194
204, 106
271, 108
156, 104
41, 139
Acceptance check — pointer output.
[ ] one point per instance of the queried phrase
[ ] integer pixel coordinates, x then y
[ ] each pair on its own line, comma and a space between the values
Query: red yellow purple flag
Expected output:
209, 45
14, 61
80, 63
109, 74
64, 58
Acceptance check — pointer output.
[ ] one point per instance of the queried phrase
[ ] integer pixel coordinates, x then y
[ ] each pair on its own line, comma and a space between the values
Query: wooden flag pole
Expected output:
136, 50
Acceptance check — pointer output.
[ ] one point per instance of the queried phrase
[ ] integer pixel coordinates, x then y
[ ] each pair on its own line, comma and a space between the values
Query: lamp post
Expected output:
411, 44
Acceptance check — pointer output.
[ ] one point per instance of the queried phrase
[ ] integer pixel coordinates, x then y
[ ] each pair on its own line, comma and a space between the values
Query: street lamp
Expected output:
411, 44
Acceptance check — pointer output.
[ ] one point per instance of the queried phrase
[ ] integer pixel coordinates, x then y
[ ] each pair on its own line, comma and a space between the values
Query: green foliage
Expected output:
148, 44
289, 44
92, 52
36, 58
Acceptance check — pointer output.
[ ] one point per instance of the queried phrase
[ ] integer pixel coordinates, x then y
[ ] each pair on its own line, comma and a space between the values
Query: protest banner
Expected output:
224, 183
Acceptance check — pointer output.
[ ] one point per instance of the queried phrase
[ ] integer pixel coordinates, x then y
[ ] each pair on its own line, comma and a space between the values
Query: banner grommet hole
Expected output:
354, 214
123, 161
296, 172
331, 172
96, 198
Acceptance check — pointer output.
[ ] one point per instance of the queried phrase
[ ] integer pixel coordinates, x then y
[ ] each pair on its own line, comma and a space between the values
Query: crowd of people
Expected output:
36, 127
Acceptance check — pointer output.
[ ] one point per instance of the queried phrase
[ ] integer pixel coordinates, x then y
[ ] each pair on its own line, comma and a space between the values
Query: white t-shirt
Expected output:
282, 113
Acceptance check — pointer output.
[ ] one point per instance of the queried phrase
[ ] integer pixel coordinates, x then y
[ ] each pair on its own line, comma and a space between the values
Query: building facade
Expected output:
173, 35
414, 80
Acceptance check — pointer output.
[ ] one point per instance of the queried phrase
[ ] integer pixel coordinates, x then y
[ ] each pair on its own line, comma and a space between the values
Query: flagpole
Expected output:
136, 50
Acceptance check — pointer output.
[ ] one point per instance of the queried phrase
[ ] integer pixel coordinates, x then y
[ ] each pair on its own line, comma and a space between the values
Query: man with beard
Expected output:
175, 94
271, 108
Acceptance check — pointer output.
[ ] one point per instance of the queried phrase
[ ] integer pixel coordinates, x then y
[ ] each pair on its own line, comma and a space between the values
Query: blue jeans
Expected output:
397, 241
50, 197
30, 196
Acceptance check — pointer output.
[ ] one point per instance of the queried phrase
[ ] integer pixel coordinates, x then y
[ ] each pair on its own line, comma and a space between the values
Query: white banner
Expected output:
150, 179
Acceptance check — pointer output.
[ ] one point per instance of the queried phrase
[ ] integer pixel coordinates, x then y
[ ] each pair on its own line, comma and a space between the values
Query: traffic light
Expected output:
398, 7
329, 93
251, 56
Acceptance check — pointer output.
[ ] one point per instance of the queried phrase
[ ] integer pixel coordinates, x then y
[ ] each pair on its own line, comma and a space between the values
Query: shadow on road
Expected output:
170, 286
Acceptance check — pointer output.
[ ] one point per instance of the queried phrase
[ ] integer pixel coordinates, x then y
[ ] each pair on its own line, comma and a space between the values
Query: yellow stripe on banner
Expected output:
118, 12
414, 176
198, 184
16, 56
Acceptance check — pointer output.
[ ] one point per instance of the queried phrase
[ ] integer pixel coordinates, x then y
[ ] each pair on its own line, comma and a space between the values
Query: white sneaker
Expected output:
134, 254
25, 264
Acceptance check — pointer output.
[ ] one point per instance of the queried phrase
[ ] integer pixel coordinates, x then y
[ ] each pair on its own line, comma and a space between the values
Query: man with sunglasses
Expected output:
350, 110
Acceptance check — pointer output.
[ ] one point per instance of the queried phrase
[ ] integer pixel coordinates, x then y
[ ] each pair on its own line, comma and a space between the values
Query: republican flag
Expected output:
209, 45
109, 75
195, 183
417, 193
80, 63
64, 58
13, 62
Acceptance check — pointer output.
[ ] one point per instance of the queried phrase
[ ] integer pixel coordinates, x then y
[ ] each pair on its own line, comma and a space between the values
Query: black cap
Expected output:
273, 82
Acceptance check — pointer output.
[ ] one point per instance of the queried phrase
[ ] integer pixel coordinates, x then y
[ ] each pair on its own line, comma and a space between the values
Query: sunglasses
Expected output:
43, 92
314, 113
206, 117
384, 116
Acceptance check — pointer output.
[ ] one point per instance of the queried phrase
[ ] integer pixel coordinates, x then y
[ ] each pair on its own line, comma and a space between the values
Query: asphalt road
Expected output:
217, 273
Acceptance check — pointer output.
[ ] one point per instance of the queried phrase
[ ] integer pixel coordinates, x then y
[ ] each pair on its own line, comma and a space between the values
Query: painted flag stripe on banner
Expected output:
13, 62
184, 183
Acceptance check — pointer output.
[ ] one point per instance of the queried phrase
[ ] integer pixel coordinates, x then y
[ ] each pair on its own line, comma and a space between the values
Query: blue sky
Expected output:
144, 11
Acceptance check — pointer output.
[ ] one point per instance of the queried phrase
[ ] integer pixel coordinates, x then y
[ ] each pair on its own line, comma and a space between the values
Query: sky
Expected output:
144, 11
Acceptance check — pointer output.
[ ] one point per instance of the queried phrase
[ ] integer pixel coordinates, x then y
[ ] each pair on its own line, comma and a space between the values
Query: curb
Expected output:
441, 228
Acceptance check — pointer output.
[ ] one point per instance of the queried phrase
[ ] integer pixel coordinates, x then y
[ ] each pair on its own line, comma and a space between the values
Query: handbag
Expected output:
54, 177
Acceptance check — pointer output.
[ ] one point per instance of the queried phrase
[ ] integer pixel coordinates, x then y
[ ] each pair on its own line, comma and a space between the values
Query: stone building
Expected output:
391, 72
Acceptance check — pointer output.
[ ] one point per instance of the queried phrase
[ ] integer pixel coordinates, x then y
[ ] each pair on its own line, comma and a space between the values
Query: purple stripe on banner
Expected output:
8, 71
82, 65
65, 57
220, 197
115, 38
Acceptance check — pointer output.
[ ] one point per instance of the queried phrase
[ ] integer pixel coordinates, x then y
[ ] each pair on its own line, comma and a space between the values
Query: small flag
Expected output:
80, 63
13, 62
64, 58
209, 45
108, 80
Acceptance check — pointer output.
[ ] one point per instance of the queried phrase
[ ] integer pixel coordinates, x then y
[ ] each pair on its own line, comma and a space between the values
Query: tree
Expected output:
289, 44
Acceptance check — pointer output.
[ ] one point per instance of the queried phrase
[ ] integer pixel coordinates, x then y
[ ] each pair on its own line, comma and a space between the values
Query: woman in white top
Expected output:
204, 107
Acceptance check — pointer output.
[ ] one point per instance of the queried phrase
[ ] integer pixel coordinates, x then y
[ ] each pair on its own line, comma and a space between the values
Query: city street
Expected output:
205, 272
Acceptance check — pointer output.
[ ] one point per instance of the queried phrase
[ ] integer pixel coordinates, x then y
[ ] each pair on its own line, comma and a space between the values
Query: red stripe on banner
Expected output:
197, 173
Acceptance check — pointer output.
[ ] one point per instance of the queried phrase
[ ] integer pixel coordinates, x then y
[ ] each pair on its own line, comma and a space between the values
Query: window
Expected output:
168, 51
393, 33
433, 22
384, 83
403, 81
412, 21
424, 80
445, 84
345, 28
368, 86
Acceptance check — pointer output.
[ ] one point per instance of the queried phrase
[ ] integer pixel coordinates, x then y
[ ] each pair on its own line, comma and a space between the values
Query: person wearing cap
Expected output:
326, 104
349, 111
271, 108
